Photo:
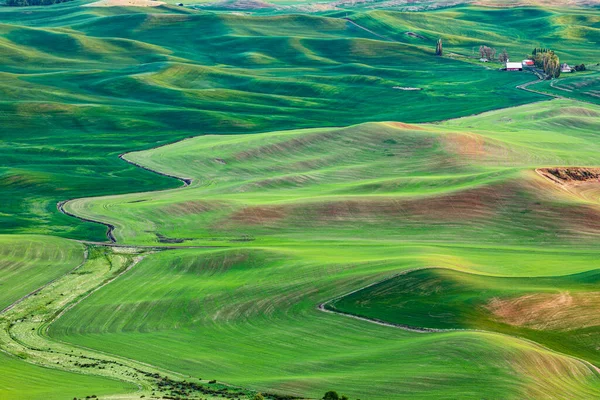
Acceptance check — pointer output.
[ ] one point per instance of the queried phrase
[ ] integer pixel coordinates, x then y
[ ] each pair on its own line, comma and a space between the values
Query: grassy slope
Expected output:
557, 311
22, 381
394, 182
114, 80
581, 86
110, 80
192, 306
325, 211
569, 31
26, 263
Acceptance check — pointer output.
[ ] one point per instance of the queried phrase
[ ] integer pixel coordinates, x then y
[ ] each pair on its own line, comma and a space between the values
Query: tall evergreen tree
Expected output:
439, 51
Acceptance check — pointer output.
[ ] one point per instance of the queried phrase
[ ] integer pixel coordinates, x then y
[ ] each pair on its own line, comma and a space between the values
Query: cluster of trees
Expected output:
580, 67
25, 3
487, 52
548, 61
490, 53
503, 57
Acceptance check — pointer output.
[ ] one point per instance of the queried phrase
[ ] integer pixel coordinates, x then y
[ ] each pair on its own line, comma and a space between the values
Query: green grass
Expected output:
111, 80
23, 381
557, 311
584, 86
304, 209
28, 262
250, 317
309, 215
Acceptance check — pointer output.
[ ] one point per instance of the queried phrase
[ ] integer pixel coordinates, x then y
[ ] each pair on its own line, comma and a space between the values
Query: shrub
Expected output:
331, 395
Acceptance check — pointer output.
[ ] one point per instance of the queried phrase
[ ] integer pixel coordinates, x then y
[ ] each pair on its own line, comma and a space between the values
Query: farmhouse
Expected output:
528, 63
513, 66
483, 59
565, 68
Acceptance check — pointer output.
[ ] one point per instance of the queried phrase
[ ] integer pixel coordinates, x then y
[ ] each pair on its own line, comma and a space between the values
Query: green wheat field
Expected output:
276, 200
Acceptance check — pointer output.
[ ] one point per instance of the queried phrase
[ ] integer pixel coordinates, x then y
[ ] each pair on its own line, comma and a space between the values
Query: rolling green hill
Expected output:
250, 317
325, 152
308, 215
111, 80
472, 179
27, 263
557, 311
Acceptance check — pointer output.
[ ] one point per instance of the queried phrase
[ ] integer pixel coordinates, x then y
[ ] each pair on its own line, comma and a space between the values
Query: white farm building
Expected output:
513, 66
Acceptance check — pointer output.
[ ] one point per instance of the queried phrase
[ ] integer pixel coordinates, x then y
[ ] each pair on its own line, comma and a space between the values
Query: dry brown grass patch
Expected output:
545, 311
259, 215
190, 207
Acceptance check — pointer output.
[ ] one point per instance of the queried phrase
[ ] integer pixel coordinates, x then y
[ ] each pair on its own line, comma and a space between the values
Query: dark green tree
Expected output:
331, 395
439, 50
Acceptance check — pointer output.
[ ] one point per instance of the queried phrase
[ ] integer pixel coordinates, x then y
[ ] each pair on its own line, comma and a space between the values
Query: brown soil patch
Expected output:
470, 146
582, 219
576, 112
544, 311
570, 175
259, 215
465, 205
468, 205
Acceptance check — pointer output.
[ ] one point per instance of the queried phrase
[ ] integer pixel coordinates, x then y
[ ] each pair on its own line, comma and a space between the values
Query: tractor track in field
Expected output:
415, 329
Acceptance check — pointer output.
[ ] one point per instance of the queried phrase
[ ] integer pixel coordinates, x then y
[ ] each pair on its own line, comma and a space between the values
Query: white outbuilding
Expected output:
513, 66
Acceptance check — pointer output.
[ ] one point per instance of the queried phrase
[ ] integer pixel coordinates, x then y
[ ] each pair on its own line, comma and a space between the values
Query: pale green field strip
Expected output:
24, 381
27, 262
